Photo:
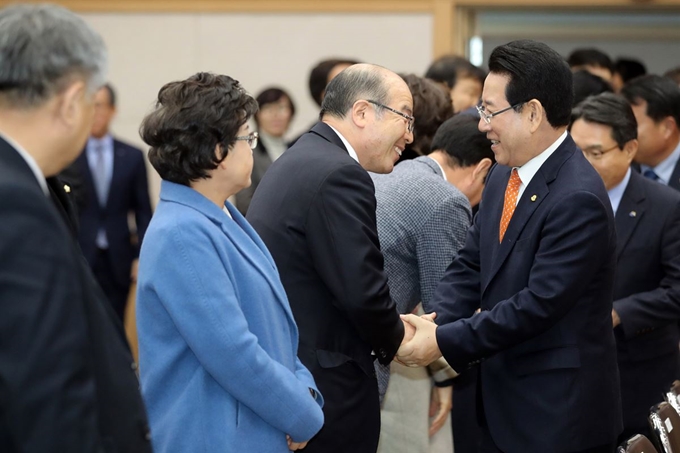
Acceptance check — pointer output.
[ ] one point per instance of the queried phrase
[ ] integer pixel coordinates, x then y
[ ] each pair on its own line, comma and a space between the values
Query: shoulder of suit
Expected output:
119, 144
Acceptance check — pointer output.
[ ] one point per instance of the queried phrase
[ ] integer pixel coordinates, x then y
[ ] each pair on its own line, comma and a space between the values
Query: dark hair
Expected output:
112, 94
661, 94
190, 119
587, 84
449, 68
611, 110
318, 78
673, 74
536, 72
590, 57
272, 95
462, 141
431, 107
351, 85
629, 68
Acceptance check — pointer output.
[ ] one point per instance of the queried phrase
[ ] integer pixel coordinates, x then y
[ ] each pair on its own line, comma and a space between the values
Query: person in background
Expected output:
626, 69
217, 339
647, 285
432, 106
114, 186
68, 381
673, 74
655, 101
423, 214
322, 74
276, 111
594, 61
588, 84
463, 79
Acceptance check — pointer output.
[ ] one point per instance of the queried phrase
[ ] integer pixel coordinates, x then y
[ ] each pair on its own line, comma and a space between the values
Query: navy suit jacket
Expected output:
647, 294
549, 379
315, 211
674, 182
68, 381
129, 192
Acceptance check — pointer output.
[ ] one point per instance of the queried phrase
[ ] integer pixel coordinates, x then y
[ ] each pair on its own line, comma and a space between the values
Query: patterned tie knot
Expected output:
510, 202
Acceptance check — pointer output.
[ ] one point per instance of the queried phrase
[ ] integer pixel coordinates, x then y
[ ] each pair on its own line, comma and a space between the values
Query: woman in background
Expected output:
217, 339
273, 120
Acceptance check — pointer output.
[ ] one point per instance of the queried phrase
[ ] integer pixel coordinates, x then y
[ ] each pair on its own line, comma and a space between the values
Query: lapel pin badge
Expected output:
632, 214
67, 188
533, 197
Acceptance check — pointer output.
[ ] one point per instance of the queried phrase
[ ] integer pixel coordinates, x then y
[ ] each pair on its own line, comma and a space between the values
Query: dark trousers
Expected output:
464, 421
488, 445
116, 294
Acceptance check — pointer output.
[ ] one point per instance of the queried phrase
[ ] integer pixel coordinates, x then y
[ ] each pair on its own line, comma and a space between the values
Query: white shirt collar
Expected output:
616, 192
527, 171
30, 161
440, 167
350, 150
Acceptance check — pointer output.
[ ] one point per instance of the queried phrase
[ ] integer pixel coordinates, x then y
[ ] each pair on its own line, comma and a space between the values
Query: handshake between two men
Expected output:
419, 346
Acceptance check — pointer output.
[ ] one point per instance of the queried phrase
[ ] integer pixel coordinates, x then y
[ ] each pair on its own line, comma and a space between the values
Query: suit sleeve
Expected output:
142, 200
47, 388
660, 306
217, 332
438, 242
573, 246
343, 239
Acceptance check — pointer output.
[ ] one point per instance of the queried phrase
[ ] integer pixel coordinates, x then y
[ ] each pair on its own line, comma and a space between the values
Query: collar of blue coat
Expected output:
238, 231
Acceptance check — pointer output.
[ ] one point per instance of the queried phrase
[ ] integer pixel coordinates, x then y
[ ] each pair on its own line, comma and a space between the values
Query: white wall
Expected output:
148, 50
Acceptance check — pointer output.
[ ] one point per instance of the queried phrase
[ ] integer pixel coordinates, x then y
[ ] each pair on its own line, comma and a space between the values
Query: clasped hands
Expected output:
419, 346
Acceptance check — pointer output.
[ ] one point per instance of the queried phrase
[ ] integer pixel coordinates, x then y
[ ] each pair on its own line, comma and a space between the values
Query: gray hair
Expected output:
42, 47
354, 83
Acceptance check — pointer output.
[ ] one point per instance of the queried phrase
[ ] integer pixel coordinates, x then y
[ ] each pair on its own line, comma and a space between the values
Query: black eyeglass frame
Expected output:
487, 116
409, 119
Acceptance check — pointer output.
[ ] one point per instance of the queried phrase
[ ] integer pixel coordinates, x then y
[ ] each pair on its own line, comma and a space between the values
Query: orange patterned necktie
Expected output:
510, 202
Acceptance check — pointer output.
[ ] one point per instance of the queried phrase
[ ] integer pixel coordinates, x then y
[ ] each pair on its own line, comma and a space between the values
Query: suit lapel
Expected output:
532, 197
86, 175
117, 171
674, 182
630, 211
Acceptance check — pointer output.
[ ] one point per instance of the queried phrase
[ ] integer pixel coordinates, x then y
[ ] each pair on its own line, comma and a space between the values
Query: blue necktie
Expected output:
100, 177
649, 173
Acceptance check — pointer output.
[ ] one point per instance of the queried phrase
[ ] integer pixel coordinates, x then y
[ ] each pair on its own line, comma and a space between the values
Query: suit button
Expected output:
383, 354
134, 366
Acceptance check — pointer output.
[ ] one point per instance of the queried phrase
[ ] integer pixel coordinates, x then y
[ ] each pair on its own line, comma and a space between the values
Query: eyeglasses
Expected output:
409, 119
595, 153
250, 138
487, 116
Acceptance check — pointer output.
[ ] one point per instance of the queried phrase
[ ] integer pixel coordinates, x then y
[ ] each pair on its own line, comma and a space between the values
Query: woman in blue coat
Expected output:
217, 339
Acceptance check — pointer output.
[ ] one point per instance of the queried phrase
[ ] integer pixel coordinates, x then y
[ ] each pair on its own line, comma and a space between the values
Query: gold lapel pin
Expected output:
533, 197
632, 214
67, 188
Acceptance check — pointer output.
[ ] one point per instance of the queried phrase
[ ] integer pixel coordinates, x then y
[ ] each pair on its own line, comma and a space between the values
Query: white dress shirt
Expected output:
350, 150
527, 171
616, 192
665, 168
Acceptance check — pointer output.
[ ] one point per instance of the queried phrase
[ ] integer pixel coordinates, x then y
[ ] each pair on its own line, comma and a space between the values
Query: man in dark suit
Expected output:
114, 184
315, 211
539, 262
68, 379
647, 290
656, 104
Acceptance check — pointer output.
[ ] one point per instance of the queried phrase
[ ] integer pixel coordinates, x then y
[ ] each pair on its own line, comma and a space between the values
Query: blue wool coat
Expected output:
217, 339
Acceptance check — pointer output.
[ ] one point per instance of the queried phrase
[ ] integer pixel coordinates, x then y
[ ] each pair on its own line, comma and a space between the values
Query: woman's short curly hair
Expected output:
190, 119
431, 107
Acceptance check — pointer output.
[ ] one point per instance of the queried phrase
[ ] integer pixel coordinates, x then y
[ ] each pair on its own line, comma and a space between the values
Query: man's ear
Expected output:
631, 148
69, 105
482, 169
669, 127
535, 114
360, 111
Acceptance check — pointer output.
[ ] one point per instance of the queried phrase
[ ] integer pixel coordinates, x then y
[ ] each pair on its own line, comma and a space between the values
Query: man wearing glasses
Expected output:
315, 211
539, 264
647, 290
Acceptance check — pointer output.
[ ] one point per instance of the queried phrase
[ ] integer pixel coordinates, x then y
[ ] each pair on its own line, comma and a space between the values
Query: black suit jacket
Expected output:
129, 192
549, 379
647, 294
674, 182
261, 163
67, 379
315, 211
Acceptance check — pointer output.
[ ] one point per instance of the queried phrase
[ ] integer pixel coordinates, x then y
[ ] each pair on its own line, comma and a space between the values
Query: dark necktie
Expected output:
649, 173
100, 180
